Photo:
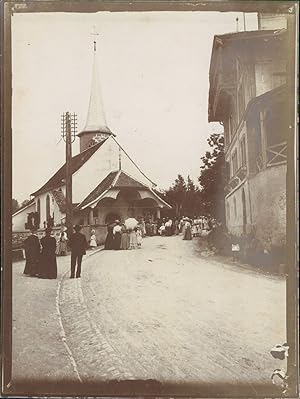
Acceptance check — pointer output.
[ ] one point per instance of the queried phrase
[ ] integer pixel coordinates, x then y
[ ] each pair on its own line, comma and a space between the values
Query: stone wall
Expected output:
265, 202
268, 203
18, 238
234, 210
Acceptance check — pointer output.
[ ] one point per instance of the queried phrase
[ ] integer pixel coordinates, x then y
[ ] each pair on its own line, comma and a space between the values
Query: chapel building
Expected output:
107, 183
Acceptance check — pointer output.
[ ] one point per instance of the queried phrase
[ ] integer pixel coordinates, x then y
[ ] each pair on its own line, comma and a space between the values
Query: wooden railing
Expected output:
277, 154
259, 163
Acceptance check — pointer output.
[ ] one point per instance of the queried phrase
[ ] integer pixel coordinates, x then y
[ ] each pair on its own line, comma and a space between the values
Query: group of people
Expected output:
186, 226
120, 237
41, 254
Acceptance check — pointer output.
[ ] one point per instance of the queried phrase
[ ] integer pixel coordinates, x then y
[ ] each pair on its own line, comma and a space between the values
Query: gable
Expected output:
100, 189
77, 162
124, 180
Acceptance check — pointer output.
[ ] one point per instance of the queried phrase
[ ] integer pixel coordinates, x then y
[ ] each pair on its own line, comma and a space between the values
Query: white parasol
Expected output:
131, 223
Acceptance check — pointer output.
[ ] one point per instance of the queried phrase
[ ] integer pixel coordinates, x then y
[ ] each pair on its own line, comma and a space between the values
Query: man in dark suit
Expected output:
78, 245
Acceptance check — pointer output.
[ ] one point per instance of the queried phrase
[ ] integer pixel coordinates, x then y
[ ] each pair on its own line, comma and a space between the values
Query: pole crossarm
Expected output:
68, 132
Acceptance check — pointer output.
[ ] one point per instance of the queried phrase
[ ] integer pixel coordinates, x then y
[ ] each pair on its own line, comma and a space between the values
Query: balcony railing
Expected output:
259, 163
277, 154
242, 172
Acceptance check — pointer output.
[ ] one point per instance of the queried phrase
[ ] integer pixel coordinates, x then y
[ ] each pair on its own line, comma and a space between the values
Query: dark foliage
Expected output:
213, 177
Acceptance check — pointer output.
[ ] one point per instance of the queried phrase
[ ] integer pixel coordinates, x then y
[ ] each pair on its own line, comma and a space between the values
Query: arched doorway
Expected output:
244, 211
111, 217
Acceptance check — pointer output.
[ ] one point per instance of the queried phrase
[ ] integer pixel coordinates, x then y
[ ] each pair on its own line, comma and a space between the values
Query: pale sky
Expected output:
153, 70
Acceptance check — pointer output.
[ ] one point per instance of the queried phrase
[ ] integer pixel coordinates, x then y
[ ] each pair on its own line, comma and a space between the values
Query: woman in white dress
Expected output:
139, 237
133, 243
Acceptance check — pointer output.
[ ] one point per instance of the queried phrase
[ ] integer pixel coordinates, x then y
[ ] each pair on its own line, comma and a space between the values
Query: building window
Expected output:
243, 151
38, 209
240, 90
48, 215
241, 100
234, 161
228, 211
95, 212
234, 207
231, 119
226, 134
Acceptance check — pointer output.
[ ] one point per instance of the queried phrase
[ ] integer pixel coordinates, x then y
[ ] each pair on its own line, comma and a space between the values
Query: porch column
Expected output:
90, 217
263, 138
158, 213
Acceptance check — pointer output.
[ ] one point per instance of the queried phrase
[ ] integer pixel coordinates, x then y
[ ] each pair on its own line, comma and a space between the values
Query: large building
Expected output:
107, 183
248, 97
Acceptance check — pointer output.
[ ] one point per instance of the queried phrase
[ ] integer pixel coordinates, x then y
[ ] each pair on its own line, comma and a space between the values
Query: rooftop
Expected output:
77, 161
117, 179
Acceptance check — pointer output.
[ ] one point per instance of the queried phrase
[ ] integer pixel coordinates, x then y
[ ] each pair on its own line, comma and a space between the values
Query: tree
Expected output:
213, 177
176, 194
184, 196
15, 205
193, 199
25, 202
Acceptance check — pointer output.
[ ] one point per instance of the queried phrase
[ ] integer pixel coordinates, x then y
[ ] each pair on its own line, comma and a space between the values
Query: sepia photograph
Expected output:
149, 186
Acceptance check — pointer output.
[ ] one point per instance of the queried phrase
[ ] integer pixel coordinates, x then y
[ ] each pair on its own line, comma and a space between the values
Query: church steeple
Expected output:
96, 128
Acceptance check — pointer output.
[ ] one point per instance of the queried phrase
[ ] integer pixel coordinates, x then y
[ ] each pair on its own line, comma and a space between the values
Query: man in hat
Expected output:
78, 245
32, 254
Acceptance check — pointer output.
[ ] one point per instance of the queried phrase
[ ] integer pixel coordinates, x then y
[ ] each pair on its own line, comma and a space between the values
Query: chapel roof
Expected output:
124, 180
117, 179
77, 161
26, 205
103, 186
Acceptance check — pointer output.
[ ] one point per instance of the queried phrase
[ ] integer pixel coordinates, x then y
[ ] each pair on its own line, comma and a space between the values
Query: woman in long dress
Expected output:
48, 265
117, 232
187, 231
124, 238
183, 222
139, 237
110, 237
168, 227
62, 247
133, 244
32, 254
176, 231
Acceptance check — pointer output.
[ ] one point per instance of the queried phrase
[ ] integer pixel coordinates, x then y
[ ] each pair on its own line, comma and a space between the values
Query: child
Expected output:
235, 249
93, 242
139, 237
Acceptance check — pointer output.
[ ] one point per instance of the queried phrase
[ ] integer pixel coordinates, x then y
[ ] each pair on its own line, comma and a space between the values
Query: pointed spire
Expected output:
96, 120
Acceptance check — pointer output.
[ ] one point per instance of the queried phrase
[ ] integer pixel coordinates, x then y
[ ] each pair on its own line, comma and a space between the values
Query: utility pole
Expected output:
291, 283
69, 123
